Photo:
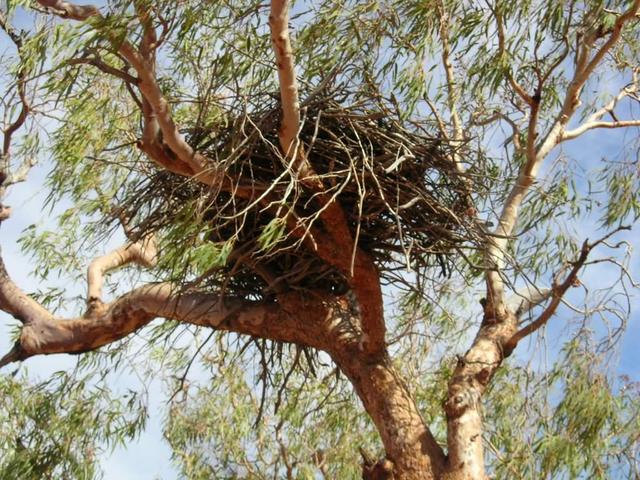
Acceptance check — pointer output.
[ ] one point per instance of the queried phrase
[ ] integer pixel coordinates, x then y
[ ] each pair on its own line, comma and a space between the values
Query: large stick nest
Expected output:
406, 205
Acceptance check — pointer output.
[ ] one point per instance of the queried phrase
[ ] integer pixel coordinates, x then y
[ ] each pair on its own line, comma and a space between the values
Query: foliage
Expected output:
59, 428
384, 123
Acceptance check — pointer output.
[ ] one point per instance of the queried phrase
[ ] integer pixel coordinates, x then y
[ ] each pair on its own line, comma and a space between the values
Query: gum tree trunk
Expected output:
411, 450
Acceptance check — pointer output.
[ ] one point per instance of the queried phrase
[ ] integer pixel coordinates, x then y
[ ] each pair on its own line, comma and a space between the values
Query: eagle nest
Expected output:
406, 204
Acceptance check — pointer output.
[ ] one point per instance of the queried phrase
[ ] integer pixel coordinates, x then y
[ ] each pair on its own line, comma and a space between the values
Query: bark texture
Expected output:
463, 406
410, 447
351, 330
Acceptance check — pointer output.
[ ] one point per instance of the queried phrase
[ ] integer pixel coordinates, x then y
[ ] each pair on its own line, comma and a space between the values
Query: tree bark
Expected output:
411, 449
466, 387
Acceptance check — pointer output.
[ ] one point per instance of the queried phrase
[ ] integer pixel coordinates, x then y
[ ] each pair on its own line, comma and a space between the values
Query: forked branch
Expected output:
143, 62
586, 63
43, 334
595, 121
558, 291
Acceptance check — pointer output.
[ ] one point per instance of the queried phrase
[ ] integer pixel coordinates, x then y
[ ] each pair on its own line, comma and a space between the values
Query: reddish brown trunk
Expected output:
409, 445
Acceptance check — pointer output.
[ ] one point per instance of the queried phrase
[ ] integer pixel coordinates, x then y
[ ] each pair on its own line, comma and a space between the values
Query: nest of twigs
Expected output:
406, 205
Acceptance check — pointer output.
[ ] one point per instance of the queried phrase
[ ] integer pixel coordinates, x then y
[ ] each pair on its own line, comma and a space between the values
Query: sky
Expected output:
148, 457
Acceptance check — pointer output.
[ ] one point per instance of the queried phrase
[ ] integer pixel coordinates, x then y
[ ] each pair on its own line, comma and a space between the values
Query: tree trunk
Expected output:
466, 387
410, 447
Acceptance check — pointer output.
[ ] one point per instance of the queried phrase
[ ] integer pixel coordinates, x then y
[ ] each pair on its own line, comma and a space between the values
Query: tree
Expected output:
411, 149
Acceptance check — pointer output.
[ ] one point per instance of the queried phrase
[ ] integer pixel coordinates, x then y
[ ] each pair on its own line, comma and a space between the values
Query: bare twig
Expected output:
559, 289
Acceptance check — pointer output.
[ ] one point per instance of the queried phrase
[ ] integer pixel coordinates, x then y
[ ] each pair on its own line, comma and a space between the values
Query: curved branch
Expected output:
576, 132
104, 67
8, 178
21, 84
143, 62
47, 335
298, 318
594, 120
585, 66
143, 253
15, 302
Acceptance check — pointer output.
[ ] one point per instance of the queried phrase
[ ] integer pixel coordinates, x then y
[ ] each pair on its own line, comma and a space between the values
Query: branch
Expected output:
20, 174
15, 302
143, 62
46, 335
594, 122
527, 301
151, 144
571, 134
279, 24
342, 252
21, 84
558, 291
149, 40
104, 67
143, 253
535, 156
452, 93
8, 178
457, 137
150, 90
583, 70
502, 51
296, 318
70, 10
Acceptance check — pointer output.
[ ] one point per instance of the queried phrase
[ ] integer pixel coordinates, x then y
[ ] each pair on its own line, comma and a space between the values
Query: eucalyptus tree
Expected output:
282, 172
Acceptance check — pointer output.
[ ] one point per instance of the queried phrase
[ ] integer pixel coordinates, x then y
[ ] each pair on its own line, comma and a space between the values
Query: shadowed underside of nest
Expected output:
405, 204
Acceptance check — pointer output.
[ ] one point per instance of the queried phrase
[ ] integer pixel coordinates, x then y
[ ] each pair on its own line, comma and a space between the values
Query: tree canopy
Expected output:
345, 228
